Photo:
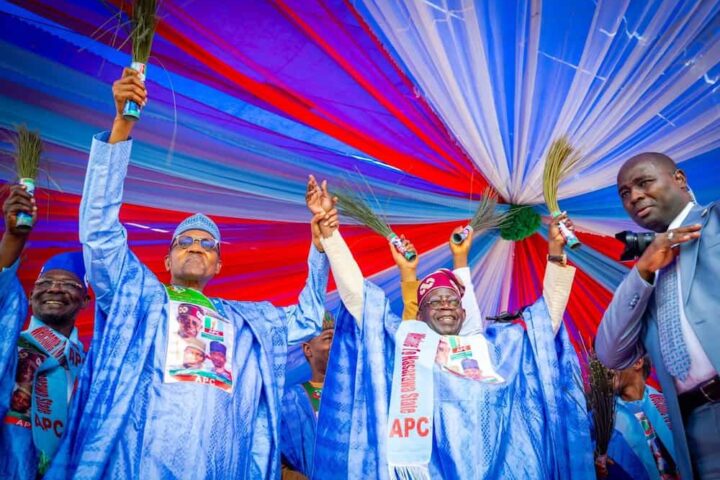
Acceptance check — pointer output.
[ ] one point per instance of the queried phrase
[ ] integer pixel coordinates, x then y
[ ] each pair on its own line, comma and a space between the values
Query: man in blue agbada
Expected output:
301, 407
39, 365
156, 400
641, 446
413, 399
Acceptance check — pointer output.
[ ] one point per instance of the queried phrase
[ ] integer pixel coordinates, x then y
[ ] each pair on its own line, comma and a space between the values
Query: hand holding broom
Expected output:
144, 21
28, 149
485, 218
128, 88
355, 207
560, 160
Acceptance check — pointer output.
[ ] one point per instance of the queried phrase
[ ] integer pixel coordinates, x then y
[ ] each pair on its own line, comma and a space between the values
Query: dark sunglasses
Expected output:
186, 241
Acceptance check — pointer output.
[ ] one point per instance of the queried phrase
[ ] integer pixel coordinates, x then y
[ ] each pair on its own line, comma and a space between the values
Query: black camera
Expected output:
635, 243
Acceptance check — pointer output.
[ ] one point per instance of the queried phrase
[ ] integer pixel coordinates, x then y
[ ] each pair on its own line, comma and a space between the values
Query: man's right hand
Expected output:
18, 201
408, 269
663, 249
13, 239
128, 87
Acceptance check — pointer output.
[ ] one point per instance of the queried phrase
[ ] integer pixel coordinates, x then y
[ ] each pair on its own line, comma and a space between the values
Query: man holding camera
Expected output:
668, 306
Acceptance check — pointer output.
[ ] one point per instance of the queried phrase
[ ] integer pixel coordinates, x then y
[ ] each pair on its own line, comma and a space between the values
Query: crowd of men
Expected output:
176, 384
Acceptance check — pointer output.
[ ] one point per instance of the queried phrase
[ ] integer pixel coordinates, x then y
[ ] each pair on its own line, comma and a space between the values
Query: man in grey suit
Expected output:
669, 306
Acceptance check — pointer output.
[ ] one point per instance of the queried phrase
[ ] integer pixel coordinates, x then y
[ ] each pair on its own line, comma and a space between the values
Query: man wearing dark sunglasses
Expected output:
142, 417
39, 365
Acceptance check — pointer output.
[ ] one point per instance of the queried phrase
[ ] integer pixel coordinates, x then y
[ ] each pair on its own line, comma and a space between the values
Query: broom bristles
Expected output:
144, 21
353, 206
601, 400
561, 157
486, 217
28, 149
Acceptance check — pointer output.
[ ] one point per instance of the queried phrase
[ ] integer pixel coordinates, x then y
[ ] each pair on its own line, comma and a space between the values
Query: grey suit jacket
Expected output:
629, 328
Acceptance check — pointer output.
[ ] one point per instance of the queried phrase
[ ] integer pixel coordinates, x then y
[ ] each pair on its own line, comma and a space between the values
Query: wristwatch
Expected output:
559, 259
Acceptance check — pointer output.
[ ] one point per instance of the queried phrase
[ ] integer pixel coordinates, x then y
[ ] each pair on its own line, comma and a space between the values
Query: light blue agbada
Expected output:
533, 426
297, 434
125, 422
628, 446
18, 459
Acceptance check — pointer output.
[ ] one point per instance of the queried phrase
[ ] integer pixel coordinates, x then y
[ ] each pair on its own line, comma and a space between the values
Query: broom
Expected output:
144, 19
561, 158
28, 148
351, 205
600, 396
485, 217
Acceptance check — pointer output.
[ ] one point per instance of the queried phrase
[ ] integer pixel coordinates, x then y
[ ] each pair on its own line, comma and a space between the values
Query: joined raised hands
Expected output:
322, 205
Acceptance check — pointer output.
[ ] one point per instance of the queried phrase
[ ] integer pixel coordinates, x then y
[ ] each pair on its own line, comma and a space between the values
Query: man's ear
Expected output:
218, 267
167, 263
306, 350
680, 177
638, 364
86, 300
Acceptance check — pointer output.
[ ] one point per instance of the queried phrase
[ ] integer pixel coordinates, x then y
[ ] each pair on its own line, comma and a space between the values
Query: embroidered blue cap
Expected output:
69, 261
198, 222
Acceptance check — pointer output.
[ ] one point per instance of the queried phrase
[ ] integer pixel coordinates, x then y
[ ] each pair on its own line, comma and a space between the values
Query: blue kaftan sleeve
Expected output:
103, 237
304, 320
13, 310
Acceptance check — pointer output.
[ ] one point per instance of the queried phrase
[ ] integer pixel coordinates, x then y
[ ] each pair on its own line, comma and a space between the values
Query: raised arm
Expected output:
473, 318
104, 239
13, 302
558, 274
408, 278
305, 318
346, 272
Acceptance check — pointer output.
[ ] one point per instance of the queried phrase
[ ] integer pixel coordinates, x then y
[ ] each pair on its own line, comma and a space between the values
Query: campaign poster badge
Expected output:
29, 361
467, 356
200, 345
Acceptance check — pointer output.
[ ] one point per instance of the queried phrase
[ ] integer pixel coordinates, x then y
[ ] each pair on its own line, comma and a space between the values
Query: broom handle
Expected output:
24, 220
397, 243
570, 238
132, 110
459, 237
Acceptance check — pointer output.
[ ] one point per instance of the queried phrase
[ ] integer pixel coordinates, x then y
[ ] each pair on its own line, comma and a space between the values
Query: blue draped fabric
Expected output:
533, 426
125, 422
628, 446
18, 458
297, 430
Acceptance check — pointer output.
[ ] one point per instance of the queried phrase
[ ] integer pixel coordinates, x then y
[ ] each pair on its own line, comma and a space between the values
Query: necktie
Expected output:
672, 344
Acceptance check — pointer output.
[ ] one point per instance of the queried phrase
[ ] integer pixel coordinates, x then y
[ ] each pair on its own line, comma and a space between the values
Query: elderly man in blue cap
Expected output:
136, 417
39, 365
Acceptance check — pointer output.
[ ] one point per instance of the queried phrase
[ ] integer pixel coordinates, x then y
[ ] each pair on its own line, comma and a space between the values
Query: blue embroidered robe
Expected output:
18, 458
125, 422
297, 434
533, 426
628, 446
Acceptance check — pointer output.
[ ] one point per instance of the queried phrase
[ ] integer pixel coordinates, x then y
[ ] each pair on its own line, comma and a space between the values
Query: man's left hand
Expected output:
460, 252
556, 241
